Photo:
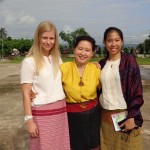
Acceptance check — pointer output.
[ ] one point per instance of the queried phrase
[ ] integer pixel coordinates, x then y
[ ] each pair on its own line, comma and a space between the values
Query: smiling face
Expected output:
83, 52
47, 42
113, 44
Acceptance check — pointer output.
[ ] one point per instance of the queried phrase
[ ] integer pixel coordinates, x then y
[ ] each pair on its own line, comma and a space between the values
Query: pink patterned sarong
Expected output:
52, 123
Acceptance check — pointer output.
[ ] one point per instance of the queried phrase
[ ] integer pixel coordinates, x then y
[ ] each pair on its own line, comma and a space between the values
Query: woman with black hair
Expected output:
121, 96
80, 80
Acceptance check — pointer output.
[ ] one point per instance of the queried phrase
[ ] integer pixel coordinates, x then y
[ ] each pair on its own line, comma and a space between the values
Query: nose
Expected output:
113, 43
83, 52
48, 41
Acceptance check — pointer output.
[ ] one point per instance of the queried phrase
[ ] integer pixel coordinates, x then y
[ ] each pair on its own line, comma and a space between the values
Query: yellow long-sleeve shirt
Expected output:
71, 79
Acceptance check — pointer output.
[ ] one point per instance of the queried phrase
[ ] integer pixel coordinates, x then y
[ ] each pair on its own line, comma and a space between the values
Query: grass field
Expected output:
141, 61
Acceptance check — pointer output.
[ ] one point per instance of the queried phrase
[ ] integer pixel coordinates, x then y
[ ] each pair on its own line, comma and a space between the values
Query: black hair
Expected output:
112, 29
84, 38
107, 31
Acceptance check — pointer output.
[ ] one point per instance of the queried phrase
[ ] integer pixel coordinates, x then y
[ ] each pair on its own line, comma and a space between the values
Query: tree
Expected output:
70, 37
144, 47
9, 38
3, 33
22, 45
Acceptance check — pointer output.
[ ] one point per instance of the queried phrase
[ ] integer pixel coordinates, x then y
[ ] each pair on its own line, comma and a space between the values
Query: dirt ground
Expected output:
13, 135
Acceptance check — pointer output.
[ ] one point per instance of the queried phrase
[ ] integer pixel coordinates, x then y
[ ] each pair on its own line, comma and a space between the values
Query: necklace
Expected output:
81, 82
111, 65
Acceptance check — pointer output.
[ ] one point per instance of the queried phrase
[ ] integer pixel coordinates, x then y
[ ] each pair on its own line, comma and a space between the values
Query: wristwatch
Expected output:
26, 118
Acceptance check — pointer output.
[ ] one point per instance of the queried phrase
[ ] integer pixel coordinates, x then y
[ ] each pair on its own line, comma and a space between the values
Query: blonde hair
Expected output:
36, 51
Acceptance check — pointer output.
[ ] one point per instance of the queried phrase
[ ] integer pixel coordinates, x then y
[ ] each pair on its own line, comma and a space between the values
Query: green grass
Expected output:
16, 60
141, 61
71, 59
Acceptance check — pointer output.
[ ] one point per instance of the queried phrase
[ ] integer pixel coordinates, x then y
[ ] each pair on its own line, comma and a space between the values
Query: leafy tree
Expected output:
7, 44
9, 38
98, 49
23, 45
144, 47
70, 37
141, 48
62, 47
3, 33
126, 50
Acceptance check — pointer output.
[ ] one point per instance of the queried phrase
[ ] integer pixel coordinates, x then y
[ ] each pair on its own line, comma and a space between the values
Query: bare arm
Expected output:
26, 89
31, 126
97, 65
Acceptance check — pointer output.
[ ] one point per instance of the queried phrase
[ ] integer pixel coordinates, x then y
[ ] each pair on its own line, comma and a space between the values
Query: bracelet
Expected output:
26, 118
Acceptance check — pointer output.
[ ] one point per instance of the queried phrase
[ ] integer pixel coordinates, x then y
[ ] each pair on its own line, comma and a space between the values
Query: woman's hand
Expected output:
32, 95
97, 65
129, 124
32, 128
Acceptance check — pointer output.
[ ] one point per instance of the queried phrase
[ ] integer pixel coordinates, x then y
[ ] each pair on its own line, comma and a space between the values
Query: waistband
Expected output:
50, 109
106, 114
80, 107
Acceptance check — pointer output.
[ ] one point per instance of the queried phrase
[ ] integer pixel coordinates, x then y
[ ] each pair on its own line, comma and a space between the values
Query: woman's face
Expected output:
113, 43
47, 42
83, 52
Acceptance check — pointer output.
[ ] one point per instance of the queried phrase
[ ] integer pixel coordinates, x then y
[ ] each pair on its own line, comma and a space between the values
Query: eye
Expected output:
80, 48
118, 40
109, 40
44, 38
52, 38
88, 50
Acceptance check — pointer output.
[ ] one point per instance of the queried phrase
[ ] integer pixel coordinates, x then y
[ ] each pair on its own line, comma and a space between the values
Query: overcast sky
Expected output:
21, 17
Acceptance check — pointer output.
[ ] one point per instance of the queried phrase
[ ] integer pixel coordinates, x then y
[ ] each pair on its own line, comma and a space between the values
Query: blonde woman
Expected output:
46, 116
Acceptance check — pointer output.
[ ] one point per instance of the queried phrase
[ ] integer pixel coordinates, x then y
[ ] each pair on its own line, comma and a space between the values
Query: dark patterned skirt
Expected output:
84, 128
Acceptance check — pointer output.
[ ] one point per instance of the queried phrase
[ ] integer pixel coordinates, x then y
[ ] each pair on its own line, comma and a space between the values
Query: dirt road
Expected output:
13, 135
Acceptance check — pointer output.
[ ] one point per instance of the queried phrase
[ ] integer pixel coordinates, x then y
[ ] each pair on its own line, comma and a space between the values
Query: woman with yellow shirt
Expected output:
80, 80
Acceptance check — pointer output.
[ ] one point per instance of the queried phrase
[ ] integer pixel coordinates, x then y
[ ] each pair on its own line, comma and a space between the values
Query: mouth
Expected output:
113, 49
47, 46
82, 57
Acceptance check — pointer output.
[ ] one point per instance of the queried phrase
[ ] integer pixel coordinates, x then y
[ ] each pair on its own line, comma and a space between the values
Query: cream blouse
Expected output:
112, 96
49, 89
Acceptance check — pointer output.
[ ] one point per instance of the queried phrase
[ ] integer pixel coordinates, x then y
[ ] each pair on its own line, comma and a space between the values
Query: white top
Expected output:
112, 96
49, 89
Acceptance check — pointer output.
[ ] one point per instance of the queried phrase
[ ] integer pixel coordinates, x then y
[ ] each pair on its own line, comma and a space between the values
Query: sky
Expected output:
21, 17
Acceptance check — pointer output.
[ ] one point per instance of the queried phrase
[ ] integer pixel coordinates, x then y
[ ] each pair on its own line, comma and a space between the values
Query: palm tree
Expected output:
3, 35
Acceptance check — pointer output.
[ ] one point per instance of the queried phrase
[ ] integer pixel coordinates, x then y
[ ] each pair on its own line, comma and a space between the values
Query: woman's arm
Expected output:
97, 65
132, 90
26, 89
31, 126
